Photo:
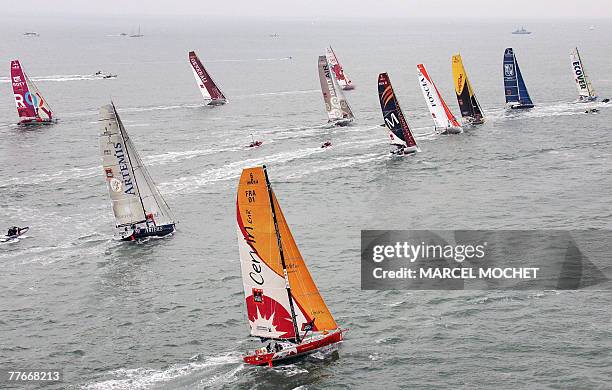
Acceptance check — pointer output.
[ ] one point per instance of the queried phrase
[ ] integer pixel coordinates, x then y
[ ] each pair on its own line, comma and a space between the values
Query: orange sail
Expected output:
277, 284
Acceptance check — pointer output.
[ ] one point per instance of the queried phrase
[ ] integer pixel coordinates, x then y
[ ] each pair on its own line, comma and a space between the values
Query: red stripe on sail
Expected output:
449, 114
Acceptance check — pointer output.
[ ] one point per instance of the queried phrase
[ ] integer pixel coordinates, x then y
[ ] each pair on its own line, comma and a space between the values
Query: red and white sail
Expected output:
31, 106
343, 80
440, 113
210, 91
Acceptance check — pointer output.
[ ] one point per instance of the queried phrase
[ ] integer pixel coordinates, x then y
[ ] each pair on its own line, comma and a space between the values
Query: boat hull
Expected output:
452, 130
342, 122
302, 349
405, 151
521, 106
217, 102
470, 121
153, 231
36, 122
348, 87
22, 231
590, 99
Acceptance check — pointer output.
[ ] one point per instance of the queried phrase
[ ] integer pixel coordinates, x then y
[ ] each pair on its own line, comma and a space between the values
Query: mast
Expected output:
282, 257
127, 153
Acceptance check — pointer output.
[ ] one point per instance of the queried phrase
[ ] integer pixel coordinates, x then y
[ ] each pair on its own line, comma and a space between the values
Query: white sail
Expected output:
583, 83
433, 102
336, 105
203, 89
440, 113
133, 193
43, 110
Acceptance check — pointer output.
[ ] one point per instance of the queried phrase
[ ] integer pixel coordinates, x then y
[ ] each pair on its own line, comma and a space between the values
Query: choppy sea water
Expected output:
169, 313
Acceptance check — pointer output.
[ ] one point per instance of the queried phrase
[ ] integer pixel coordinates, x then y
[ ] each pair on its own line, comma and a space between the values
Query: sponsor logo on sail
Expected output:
509, 70
580, 79
115, 184
199, 71
124, 169
428, 93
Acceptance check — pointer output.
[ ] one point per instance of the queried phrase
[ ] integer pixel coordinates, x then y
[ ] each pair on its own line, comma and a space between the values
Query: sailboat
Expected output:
338, 110
283, 303
32, 108
402, 139
586, 93
210, 91
468, 104
343, 80
517, 96
140, 210
444, 120
137, 35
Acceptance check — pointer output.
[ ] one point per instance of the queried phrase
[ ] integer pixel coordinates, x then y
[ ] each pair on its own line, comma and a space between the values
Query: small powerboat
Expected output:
14, 232
254, 143
326, 144
104, 75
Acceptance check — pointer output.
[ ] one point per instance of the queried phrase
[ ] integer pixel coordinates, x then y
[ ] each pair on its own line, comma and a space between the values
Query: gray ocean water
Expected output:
169, 313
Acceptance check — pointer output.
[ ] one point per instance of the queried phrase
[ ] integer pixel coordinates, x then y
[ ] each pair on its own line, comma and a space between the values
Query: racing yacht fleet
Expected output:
283, 304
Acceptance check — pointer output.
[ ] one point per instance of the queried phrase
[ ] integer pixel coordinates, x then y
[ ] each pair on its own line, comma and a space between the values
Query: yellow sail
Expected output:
460, 76
262, 269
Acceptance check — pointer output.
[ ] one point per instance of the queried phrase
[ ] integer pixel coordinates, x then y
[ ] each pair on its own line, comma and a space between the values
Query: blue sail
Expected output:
522, 88
514, 85
510, 79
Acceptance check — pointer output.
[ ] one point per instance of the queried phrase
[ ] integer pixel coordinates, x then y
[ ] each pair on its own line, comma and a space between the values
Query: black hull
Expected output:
154, 231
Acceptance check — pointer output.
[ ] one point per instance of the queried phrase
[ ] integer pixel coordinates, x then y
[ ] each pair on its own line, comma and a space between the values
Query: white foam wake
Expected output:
142, 378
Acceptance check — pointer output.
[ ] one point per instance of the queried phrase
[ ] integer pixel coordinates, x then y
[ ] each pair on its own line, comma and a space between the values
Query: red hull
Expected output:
305, 348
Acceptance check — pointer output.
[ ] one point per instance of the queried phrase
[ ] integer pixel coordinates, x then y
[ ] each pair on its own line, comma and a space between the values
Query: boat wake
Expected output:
189, 184
72, 77
143, 378
280, 93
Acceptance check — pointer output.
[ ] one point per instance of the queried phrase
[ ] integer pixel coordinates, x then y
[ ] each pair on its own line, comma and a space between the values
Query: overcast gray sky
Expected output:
498, 9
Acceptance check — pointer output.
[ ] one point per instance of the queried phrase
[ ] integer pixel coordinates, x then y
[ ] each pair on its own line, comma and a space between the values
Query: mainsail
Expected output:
399, 131
468, 104
583, 82
282, 299
336, 105
31, 106
442, 116
516, 90
343, 80
208, 88
134, 196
